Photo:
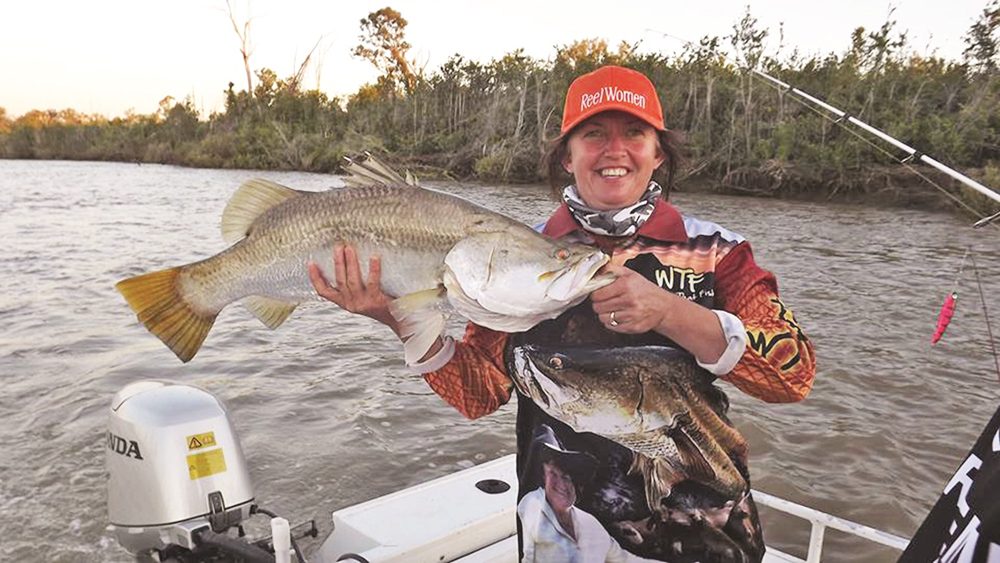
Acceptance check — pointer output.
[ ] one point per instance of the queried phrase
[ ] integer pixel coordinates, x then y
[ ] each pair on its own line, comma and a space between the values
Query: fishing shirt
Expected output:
702, 262
698, 259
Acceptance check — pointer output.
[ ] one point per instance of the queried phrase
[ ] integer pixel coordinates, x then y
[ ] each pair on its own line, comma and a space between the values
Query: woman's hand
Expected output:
638, 304
633, 305
351, 292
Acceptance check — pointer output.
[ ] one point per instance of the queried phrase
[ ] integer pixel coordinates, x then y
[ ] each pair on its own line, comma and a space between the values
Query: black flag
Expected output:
964, 524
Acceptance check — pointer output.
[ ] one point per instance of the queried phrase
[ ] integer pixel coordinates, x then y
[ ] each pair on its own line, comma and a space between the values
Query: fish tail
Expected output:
160, 306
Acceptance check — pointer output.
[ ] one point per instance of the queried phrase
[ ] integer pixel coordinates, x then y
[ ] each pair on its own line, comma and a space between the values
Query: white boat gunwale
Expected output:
416, 524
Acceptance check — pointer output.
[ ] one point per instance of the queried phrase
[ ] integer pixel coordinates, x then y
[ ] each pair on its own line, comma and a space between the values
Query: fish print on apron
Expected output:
694, 522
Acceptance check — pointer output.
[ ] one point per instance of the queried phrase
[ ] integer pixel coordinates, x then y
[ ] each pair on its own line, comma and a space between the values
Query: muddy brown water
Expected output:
328, 415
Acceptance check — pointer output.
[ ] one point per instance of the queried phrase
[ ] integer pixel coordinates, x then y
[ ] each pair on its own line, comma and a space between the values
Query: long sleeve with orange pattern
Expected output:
474, 380
778, 365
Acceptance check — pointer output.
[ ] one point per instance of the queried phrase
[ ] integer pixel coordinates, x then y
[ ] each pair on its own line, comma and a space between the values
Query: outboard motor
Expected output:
178, 481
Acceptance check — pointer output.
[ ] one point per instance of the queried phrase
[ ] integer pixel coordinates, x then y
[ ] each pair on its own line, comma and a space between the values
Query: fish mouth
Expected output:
521, 370
580, 279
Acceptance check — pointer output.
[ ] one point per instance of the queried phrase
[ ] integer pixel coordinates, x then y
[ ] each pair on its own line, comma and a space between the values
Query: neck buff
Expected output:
612, 222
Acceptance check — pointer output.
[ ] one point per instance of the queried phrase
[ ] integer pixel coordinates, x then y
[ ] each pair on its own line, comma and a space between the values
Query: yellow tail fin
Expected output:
162, 309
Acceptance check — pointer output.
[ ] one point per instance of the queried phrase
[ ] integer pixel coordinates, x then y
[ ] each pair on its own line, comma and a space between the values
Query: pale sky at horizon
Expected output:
110, 56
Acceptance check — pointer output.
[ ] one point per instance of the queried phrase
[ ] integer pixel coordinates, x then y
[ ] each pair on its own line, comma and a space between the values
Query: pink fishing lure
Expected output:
944, 317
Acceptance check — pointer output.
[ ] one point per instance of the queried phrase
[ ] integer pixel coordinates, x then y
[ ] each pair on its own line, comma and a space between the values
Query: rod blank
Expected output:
911, 152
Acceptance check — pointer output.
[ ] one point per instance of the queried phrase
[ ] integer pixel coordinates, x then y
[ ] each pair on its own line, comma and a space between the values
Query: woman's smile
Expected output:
612, 156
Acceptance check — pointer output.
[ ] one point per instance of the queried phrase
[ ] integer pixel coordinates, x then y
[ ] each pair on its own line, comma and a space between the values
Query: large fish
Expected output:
436, 249
653, 400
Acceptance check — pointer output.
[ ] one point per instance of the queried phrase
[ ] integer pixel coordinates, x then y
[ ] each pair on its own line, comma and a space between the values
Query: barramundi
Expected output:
437, 250
654, 400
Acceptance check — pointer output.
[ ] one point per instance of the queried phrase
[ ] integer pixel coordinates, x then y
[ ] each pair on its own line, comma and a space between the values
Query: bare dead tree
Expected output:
295, 82
245, 49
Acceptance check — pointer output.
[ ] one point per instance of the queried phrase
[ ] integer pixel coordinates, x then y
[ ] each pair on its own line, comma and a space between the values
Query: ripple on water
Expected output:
329, 416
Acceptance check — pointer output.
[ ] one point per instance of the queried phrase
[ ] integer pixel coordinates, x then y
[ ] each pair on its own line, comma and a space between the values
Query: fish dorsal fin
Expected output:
249, 202
421, 321
368, 171
271, 312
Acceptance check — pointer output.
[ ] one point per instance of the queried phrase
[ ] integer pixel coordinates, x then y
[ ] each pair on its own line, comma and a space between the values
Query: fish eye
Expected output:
562, 254
555, 362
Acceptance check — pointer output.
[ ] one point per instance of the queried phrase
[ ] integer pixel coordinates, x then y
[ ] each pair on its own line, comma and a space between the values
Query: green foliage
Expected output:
5, 124
383, 43
493, 119
982, 41
991, 174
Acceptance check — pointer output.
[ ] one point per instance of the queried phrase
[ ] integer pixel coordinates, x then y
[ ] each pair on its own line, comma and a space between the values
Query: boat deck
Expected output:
453, 519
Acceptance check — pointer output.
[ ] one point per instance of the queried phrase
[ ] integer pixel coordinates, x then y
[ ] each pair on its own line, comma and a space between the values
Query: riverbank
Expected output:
876, 184
918, 187
879, 185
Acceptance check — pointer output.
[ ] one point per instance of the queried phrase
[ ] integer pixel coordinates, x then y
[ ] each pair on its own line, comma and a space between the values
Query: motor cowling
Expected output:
175, 466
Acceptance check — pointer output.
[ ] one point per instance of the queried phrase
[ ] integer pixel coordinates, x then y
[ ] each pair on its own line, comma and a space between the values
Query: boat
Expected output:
179, 489
470, 517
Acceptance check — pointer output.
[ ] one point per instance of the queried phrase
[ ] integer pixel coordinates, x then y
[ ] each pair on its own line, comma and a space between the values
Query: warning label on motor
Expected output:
207, 463
201, 440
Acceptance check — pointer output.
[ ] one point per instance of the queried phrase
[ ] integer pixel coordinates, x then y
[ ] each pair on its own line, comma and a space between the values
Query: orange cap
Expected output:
612, 88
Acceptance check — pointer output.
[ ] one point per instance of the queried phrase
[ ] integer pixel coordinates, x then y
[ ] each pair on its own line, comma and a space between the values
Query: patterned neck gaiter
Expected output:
612, 222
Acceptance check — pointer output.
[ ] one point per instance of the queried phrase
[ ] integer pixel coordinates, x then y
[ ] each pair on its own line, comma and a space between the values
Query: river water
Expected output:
328, 416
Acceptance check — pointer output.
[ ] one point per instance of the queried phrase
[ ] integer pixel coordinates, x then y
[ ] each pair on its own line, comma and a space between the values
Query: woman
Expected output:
680, 281
552, 527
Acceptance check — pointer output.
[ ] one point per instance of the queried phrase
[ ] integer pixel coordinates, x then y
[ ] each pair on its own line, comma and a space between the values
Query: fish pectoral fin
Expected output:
249, 202
466, 265
695, 463
271, 312
421, 320
475, 312
658, 476
158, 303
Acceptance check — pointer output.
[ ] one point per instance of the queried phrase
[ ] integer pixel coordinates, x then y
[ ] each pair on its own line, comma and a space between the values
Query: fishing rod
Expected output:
912, 153
844, 117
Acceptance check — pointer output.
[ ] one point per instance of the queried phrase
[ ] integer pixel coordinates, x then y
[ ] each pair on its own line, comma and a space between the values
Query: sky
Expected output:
114, 56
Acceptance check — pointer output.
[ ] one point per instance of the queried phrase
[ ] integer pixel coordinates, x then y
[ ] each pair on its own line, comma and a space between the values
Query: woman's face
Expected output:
612, 156
559, 489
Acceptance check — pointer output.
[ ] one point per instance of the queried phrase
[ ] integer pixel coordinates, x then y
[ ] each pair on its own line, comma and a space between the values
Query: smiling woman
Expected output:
611, 156
554, 528
619, 140
613, 139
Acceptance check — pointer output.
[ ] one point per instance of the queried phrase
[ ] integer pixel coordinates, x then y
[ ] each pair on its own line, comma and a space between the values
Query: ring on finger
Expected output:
613, 321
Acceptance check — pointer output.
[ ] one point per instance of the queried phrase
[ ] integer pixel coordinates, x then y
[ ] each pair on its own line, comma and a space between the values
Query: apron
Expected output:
693, 523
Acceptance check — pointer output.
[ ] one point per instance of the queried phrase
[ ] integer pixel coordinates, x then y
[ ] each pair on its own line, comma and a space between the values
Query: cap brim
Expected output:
610, 106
